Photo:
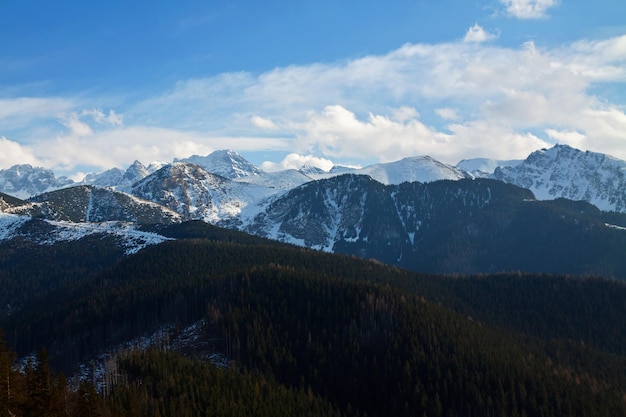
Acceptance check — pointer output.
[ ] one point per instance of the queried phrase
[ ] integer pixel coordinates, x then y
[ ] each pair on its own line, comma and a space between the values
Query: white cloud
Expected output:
338, 132
120, 146
296, 161
490, 101
528, 9
263, 123
33, 107
572, 138
447, 113
99, 117
12, 153
477, 34
75, 125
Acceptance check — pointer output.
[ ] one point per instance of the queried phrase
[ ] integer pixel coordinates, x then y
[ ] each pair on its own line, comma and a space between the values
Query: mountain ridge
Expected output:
560, 171
452, 225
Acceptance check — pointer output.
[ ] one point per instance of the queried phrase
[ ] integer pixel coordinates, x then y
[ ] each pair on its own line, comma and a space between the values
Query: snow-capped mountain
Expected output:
418, 168
226, 163
195, 193
307, 169
484, 167
281, 180
563, 171
24, 181
121, 179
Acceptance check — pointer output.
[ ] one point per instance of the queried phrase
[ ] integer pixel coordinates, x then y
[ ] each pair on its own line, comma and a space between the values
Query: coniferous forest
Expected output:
302, 333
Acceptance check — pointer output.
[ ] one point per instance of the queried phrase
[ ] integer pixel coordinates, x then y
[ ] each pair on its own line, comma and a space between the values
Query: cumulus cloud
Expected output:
451, 100
447, 113
573, 138
528, 9
263, 123
337, 132
297, 161
12, 153
530, 88
477, 34
120, 146
75, 125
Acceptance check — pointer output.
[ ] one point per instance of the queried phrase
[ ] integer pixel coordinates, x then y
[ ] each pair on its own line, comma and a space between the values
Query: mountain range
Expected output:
416, 213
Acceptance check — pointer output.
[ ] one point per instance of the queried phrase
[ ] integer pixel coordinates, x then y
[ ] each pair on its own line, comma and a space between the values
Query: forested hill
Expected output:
323, 334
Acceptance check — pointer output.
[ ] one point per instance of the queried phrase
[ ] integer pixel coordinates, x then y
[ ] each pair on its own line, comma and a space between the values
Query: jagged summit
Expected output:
24, 181
307, 169
195, 193
563, 171
118, 178
227, 163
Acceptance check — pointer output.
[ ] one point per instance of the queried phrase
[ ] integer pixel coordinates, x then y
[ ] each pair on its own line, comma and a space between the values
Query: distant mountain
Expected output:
226, 163
483, 167
195, 193
418, 168
118, 178
307, 169
24, 181
281, 180
563, 171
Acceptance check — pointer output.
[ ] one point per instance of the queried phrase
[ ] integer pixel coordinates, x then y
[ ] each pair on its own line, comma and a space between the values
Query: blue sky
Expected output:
85, 86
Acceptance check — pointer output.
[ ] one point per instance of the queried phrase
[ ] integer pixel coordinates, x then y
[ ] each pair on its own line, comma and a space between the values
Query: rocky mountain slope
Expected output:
563, 171
225, 163
23, 181
462, 226
197, 194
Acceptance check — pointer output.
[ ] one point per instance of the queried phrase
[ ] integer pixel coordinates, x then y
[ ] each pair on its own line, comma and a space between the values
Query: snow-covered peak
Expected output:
109, 178
280, 180
25, 181
226, 163
307, 169
195, 193
135, 172
340, 169
417, 168
563, 171
118, 178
